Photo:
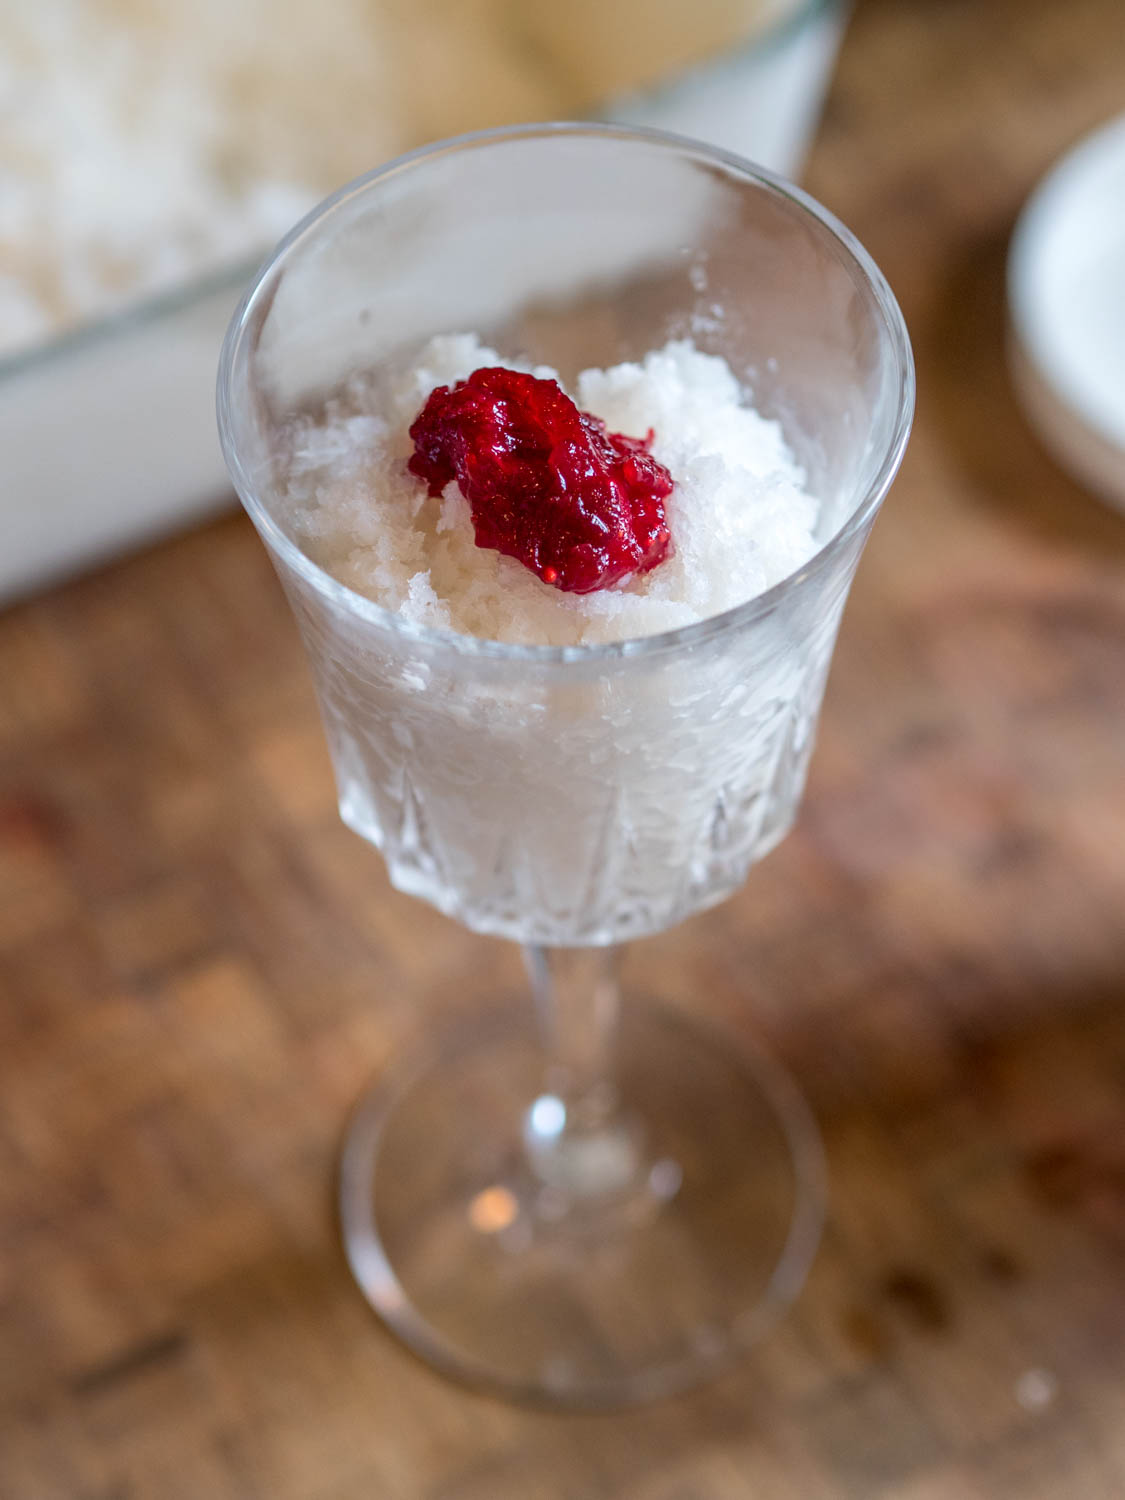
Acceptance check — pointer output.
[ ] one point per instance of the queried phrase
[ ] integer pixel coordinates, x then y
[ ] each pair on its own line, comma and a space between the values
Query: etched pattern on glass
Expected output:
587, 806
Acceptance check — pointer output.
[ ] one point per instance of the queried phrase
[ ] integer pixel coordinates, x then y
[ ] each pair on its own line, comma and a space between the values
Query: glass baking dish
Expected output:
108, 431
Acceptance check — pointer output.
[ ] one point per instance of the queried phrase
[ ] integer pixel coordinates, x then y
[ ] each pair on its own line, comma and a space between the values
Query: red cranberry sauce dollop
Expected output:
581, 507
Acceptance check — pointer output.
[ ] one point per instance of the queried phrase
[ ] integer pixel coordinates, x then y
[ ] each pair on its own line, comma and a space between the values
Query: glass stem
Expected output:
578, 1001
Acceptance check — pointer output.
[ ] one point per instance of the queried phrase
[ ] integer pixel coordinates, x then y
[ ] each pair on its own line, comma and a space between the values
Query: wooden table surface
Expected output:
200, 967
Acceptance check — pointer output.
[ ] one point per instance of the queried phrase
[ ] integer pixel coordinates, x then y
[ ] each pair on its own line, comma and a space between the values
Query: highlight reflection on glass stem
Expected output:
579, 1141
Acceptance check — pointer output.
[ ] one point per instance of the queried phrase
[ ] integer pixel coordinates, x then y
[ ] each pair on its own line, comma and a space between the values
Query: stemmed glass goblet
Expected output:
605, 1206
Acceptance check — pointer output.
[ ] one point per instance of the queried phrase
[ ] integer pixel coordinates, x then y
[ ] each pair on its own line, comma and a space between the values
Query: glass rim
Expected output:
855, 258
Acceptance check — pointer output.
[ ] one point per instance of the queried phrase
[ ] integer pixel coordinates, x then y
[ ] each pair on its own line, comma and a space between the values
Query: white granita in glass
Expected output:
584, 801
739, 515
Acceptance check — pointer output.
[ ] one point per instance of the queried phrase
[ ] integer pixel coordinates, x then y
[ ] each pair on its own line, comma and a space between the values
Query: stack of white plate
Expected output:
1066, 299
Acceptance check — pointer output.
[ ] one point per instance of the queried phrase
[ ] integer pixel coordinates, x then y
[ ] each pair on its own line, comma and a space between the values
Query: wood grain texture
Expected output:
200, 968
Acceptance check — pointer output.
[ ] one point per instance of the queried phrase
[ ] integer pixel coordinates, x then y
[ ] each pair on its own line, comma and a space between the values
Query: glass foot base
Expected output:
688, 1227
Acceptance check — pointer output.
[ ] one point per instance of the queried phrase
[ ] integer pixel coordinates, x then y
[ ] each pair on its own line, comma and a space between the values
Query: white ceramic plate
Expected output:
1066, 301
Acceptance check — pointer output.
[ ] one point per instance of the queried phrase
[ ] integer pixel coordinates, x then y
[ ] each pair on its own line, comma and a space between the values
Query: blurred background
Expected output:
150, 153
200, 968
